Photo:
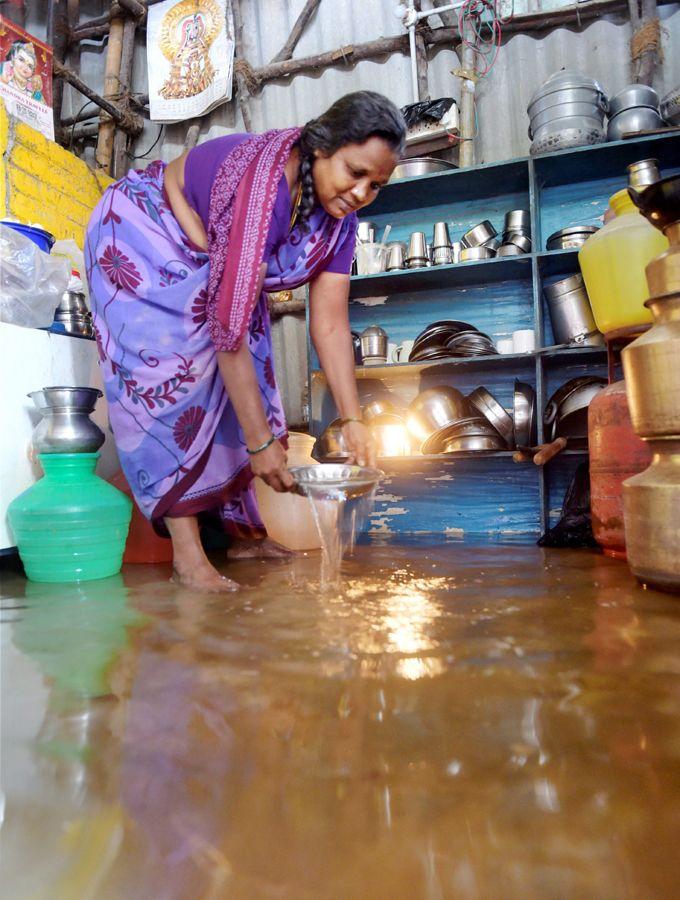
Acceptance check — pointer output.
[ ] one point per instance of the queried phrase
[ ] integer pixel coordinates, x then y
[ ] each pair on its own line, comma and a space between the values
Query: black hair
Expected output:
17, 46
352, 119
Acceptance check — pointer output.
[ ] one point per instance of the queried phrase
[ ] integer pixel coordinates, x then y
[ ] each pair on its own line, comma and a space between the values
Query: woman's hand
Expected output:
270, 466
359, 443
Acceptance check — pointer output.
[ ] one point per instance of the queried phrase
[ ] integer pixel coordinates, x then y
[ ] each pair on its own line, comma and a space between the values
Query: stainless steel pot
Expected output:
519, 240
472, 443
633, 120
643, 173
509, 250
565, 130
571, 237
570, 313
374, 343
571, 85
479, 235
566, 110
468, 254
66, 426
331, 444
420, 165
634, 95
518, 220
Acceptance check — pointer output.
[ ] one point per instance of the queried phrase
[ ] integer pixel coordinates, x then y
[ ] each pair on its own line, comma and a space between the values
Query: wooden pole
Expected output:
127, 120
421, 61
645, 41
104, 151
467, 108
120, 140
57, 37
308, 11
239, 77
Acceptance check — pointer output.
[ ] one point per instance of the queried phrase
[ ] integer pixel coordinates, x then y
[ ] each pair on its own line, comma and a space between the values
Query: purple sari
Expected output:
161, 308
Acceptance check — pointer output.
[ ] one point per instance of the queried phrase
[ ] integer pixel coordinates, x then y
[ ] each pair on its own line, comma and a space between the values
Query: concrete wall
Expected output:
42, 183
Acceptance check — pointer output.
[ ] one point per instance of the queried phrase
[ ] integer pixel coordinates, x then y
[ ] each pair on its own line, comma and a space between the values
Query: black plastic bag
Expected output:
574, 528
427, 111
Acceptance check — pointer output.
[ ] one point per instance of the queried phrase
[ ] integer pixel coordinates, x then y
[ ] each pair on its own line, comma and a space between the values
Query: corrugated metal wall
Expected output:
599, 48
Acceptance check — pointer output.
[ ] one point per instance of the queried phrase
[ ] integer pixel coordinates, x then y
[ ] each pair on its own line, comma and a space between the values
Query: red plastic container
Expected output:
143, 544
616, 453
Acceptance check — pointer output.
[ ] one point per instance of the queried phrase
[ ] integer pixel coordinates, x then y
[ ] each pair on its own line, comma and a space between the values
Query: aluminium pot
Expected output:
632, 121
631, 96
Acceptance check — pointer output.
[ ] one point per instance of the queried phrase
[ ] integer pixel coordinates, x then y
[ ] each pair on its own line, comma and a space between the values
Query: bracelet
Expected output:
346, 421
261, 447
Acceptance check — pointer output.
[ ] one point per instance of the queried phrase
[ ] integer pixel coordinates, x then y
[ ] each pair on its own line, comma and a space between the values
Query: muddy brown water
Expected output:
496, 722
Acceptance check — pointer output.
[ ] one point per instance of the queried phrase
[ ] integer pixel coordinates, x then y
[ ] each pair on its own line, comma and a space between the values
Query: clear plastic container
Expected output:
613, 263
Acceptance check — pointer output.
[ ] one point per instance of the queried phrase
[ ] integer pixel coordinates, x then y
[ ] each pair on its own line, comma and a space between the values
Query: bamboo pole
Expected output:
104, 151
120, 140
57, 37
127, 120
467, 108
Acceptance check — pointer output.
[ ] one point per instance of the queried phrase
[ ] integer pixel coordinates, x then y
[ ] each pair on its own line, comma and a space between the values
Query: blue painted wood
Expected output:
467, 498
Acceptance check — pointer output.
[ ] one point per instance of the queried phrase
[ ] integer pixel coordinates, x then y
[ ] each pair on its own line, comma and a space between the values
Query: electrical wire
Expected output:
480, 25
73, 127
144, 155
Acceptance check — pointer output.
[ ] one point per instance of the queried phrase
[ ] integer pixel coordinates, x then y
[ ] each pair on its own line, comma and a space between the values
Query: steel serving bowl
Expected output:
328, 481
509, 250
377, 406
572, 236
517, 220
524, 409
420, 165
519, 240
472, 443
469, 427
435, 408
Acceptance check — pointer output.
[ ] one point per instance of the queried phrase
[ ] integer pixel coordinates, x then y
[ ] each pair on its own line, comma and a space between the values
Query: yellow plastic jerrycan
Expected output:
613, 263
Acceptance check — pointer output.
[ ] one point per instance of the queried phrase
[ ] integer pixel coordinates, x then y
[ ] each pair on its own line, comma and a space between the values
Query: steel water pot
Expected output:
66, 426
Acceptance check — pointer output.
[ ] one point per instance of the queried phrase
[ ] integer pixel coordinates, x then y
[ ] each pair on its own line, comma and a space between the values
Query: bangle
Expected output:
261, 447
349, 419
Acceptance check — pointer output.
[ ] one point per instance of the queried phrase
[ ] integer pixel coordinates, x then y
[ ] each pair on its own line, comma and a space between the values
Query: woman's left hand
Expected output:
359, 443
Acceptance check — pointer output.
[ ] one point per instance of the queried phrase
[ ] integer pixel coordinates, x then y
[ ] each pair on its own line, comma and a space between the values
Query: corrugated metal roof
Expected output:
599, 48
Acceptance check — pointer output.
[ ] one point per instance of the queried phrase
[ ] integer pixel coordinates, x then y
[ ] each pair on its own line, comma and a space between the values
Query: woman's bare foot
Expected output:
242, 548
191, 568
204, 578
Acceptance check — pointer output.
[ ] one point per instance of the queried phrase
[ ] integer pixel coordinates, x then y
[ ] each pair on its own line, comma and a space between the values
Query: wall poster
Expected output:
190, 56
26, 77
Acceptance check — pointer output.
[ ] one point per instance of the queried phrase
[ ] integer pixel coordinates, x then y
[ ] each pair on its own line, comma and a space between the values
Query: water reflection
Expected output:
444, 723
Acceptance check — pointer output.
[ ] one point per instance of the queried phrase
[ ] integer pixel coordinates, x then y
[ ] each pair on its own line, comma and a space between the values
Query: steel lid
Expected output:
564, 79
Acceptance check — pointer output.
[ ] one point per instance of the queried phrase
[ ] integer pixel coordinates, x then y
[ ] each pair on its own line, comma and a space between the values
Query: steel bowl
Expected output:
470, 254
643, 173
420, 165
377, 406
435, 408
469, 427
632, 121
473, 443
634, 95
479, 235
485, 402
335, 482
517, 220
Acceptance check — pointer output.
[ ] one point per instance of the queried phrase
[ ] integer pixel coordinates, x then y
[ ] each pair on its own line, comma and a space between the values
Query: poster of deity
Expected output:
26, 77
190, 52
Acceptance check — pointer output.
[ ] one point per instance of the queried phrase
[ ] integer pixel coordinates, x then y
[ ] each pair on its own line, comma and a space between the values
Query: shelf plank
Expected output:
457, 275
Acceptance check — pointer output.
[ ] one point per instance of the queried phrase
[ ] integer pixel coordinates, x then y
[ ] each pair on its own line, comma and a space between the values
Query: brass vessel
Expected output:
651, 502
651, 365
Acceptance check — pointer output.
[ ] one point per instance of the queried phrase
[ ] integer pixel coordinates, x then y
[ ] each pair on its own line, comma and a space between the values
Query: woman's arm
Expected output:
243, 390
330, 332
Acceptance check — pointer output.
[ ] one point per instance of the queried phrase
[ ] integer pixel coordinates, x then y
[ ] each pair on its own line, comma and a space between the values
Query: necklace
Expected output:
296, 207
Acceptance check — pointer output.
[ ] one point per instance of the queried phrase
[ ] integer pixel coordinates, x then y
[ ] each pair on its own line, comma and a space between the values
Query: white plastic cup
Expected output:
523, 341
371, 259
392, 352
504, 345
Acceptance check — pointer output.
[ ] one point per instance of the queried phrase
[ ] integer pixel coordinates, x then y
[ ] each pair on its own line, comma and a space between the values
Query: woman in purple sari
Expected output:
178, 257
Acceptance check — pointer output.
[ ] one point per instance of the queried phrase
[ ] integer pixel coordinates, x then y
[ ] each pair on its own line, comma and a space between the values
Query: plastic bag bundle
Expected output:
31, 281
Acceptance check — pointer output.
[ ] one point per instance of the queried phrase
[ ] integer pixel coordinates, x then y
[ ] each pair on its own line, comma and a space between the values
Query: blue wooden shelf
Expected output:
485, 271
485, 492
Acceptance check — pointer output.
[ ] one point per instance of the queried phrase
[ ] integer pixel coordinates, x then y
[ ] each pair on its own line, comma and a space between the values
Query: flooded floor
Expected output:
457, 722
